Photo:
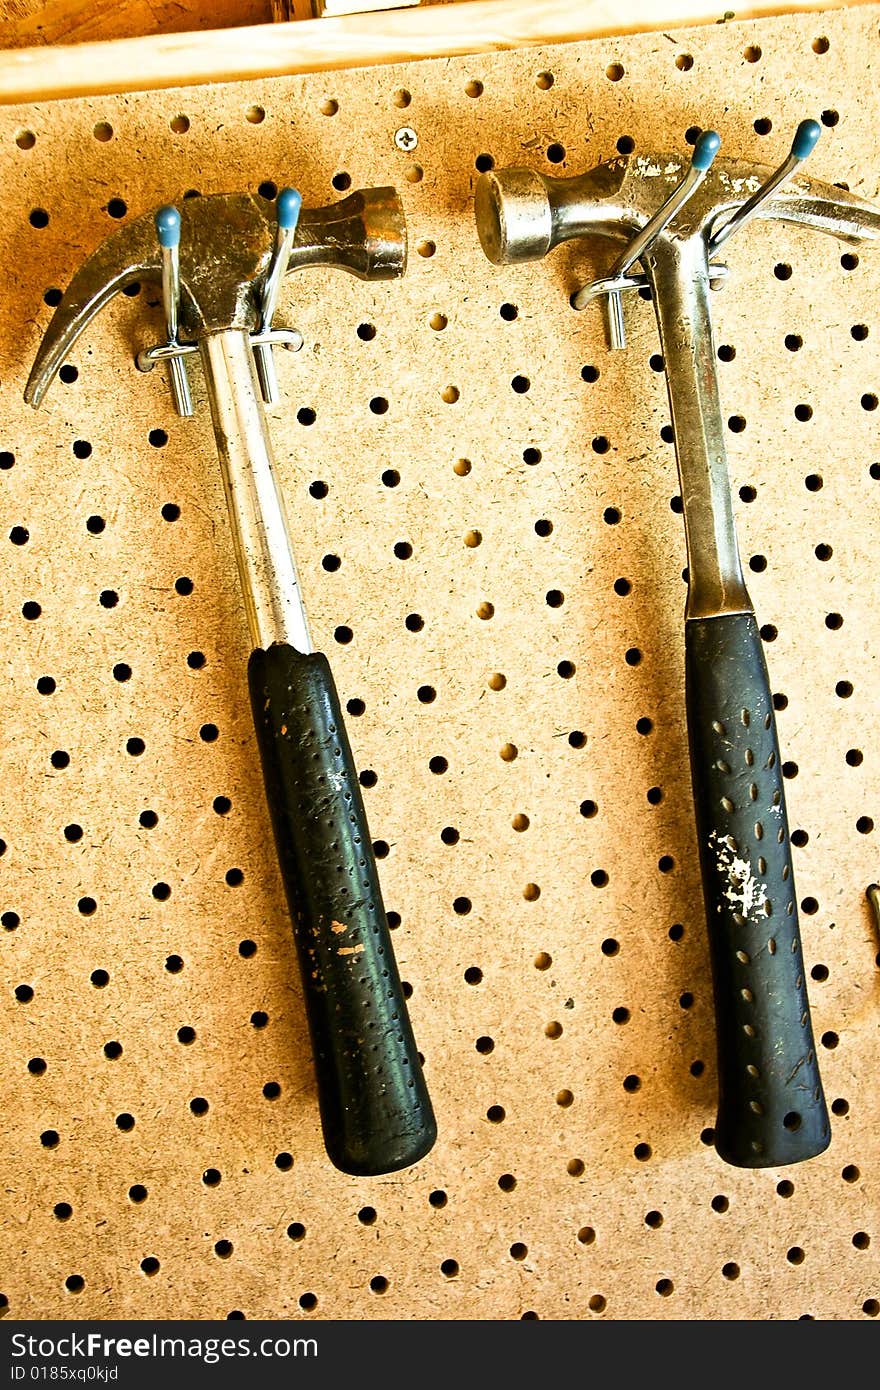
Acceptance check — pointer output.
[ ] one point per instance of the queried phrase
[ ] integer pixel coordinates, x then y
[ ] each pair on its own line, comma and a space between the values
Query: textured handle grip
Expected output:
375, 1109
771, 1109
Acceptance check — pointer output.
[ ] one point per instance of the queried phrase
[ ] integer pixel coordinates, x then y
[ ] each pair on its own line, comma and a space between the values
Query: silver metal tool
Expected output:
771, 1109
222, 258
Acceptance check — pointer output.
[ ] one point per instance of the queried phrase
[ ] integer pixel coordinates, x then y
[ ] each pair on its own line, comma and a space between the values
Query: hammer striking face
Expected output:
673, 219
220, 260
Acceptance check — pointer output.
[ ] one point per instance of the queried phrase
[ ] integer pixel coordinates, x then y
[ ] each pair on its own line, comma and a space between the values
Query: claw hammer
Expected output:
673, 219
220, 260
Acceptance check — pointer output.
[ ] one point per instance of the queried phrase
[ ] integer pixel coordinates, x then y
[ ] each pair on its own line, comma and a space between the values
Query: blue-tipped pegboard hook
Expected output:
802, 145
168, 233
287, 208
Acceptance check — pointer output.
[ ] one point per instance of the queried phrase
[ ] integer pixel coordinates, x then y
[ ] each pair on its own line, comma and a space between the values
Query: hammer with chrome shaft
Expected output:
220, 260
673, 219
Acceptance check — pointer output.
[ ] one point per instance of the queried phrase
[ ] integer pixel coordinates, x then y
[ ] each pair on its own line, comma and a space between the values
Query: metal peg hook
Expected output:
804, 143
288, 208
705, 150
168, 232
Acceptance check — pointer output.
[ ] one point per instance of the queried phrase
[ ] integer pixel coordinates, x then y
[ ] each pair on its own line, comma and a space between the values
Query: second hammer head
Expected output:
522, 214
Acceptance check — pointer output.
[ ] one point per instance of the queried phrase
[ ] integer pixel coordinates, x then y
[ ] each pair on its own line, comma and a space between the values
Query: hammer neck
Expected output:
266, 567
679, 275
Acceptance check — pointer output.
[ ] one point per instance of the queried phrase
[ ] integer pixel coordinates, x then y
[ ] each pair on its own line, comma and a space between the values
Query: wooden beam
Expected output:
28, 22
395, 36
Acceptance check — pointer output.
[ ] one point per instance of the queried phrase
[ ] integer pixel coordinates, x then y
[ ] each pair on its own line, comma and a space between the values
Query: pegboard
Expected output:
484, 501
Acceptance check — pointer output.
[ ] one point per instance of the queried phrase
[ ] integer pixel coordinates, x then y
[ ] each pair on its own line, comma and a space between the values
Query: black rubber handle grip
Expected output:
771, 1109
375, 1110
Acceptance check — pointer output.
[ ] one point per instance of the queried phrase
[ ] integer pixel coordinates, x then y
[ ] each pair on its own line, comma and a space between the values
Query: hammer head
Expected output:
226, 245
521, 214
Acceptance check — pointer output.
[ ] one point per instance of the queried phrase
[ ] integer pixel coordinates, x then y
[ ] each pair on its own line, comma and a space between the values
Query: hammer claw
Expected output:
808, 202
128, 255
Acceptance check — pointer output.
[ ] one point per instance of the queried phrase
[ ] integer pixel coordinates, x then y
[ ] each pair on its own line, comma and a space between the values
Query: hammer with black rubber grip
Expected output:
672, 217
220, 260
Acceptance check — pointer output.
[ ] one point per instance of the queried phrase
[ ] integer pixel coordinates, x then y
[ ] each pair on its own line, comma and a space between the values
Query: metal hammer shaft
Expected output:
771, 1109
270, 586
679, 276
375, 1109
